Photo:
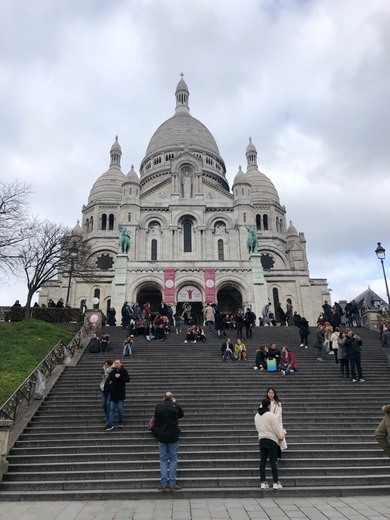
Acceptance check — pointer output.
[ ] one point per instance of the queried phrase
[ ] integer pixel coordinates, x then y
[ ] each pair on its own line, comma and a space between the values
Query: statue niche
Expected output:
186, 182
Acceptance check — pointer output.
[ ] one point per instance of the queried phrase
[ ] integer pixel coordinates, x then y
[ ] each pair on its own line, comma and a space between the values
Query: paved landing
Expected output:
351, 508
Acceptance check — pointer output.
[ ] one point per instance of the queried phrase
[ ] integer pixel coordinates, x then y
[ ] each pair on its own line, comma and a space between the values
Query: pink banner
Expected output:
209, 281
169, 285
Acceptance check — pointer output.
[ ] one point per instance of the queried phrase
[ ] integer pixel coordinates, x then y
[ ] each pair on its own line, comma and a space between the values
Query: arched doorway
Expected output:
229, 300
151, 294
193, 295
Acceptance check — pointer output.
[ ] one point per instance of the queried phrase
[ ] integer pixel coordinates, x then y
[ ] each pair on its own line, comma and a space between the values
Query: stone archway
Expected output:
229, 299
151, 294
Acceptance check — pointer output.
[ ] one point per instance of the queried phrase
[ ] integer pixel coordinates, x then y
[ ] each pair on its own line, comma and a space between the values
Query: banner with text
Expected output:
209, 281
169, 285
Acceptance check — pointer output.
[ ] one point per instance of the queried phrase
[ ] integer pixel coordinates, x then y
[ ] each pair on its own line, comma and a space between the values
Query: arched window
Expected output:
221, 251
96, 294
153, 252
87, 225
187, 236
258, 222
111, 220
91, 224
104, 221
275, 295
265, 222
244, 216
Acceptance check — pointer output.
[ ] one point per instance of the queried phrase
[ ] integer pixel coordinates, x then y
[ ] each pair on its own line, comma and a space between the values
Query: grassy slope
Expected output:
23, 345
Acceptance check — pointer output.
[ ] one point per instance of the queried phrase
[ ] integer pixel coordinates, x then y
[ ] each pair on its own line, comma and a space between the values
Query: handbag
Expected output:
271, 365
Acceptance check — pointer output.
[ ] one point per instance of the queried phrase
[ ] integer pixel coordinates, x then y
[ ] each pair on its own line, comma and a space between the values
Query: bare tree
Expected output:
13, 219
45, 254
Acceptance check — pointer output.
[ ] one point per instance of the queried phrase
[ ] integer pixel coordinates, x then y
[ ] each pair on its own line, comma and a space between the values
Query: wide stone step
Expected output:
370, 479
191, 473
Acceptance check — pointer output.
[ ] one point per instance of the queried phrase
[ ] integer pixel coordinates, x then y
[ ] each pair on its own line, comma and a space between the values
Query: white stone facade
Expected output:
189, 232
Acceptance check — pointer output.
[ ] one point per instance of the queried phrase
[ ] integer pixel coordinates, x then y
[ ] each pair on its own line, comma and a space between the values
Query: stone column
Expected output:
118, 286
260, 286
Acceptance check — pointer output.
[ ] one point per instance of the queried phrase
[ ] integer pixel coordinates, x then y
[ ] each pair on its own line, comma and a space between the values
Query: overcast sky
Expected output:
309, 81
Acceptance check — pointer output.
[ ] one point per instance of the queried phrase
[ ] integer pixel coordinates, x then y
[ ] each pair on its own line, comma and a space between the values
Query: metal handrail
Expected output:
24, 394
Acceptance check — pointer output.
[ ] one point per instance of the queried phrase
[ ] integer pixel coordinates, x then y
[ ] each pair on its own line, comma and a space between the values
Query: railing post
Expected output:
5, 426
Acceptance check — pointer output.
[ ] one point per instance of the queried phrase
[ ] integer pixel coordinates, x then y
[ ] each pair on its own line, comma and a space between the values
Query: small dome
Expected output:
182, 85
108, 187
132, 176
262, 188
251, 148
77, 229
116, 147
240, 177
291, 231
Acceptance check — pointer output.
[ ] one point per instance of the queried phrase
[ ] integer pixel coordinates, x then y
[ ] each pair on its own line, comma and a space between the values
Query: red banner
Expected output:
209, 282
169, 285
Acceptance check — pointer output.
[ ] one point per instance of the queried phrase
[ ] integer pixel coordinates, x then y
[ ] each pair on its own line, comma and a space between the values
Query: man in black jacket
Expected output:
117, 380
166, 416
352, 345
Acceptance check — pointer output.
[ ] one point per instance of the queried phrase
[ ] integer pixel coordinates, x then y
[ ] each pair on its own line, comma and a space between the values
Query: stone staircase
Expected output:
65, 453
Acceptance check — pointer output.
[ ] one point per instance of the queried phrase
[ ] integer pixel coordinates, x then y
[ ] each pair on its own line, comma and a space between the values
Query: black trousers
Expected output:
268, 449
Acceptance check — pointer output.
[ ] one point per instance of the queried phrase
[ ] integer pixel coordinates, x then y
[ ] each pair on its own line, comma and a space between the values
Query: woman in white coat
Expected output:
276, 409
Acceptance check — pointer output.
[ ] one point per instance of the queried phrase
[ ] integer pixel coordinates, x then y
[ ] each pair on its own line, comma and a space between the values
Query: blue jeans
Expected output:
168, 459
210, 325
127, 351
105, 400
111, 416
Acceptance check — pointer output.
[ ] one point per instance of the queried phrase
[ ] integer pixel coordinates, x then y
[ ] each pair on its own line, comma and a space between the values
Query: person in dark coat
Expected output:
117, 380
250, 321
304, 331
352, 345
166, 417
280, 315
227, 350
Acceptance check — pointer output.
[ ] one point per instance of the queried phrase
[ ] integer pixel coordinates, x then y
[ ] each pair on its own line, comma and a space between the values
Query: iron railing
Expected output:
25, 393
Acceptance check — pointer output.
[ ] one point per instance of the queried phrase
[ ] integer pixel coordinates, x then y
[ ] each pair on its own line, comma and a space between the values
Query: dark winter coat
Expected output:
167, 415
117, 385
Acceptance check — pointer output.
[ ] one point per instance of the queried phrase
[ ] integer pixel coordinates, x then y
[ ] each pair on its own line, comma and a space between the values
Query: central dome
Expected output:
182, 130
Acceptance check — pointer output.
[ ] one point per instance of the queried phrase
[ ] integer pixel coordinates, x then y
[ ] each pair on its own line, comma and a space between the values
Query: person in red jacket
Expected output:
287, 362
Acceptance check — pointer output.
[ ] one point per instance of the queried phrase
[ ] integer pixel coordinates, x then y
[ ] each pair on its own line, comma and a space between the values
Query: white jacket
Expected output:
268, 427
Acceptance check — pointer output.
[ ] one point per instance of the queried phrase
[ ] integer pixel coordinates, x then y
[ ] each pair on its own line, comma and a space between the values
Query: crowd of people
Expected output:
343, 344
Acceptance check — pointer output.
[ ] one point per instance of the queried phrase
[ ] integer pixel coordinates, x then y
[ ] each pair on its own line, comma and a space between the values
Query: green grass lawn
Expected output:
23, 345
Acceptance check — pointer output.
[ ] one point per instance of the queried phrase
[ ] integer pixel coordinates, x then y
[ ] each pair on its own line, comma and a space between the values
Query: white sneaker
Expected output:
301, 345
305, 346
185, 341
264, 485
277, 485
331, 352
283, 372
255, 368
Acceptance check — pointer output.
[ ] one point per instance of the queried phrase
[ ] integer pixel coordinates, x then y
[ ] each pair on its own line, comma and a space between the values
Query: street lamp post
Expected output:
73, 256
381, 254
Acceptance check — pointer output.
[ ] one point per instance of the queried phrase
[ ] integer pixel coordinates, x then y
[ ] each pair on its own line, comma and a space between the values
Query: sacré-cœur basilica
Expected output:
177, 232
